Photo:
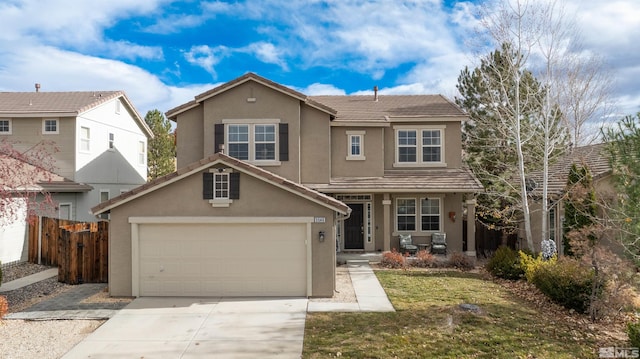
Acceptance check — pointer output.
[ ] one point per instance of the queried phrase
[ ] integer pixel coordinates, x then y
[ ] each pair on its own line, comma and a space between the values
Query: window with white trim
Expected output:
238, 141
419, 146
355, 145
142, 152
265, 142
118, 105
112, 138
104, 196
5, 127
406, 214
430, 214
220, 186
50, 126
85, 139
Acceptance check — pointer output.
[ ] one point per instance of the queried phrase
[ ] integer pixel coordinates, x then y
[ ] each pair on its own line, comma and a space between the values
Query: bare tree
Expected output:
20, 174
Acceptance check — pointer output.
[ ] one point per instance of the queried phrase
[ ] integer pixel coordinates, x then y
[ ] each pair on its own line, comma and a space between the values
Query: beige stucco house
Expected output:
271, 183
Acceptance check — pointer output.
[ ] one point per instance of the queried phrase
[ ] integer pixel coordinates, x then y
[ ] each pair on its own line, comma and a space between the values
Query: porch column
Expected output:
386, 213
471, 228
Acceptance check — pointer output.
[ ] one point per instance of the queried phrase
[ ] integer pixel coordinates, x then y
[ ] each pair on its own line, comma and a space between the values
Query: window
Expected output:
265, 142
64, 211
5, 127
50, 126
419, 146
142, 151
552, 223
239, 141
355, 145
406, 214
118, 107
111, 140
104, 196
430, 214
85, 139
221, 186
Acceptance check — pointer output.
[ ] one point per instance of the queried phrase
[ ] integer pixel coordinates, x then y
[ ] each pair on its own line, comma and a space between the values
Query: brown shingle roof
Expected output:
593, 156
230, 161
446, 180
354, 108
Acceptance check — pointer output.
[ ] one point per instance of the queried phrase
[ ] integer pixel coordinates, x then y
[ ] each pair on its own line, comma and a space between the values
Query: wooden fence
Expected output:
79, 249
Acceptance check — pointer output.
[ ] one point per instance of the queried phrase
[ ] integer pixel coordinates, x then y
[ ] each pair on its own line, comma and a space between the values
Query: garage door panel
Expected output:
222, 259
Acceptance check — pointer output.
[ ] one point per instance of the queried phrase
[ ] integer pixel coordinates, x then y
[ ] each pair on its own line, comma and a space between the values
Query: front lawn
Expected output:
428, 323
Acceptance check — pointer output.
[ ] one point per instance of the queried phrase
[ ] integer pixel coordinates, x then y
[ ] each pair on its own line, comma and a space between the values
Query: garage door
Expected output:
220, 259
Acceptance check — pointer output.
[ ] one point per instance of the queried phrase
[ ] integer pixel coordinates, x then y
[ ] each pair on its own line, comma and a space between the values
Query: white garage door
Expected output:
262, 259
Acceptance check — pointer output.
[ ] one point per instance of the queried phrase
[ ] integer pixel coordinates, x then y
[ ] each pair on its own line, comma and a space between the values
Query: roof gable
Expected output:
241, 166
171, 114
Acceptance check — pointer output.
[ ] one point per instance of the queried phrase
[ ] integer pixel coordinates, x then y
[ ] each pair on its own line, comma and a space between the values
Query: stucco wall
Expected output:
374, 149
190, 137
315, 146
184, 198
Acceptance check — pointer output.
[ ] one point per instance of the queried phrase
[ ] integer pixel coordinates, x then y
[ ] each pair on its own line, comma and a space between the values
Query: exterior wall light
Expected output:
321, 236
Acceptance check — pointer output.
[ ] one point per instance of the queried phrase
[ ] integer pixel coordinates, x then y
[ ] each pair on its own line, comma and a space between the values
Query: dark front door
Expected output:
354, 228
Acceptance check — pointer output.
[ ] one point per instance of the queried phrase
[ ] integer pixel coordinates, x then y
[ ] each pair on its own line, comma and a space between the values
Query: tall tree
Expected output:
161, 149
20, 173
579, 203
624, 150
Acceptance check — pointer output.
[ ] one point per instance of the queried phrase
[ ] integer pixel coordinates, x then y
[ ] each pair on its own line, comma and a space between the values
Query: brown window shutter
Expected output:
283, 130
207, 185
218, 137
234, 185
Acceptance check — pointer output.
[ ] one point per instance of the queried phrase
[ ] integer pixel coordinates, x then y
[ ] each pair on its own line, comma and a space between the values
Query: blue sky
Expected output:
162, 53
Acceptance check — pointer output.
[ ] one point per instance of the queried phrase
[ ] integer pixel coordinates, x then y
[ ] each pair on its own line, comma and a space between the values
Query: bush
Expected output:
633, 331
460, 261
566, 282
424, 259
4, 306
505, 263
530, 264
393, 259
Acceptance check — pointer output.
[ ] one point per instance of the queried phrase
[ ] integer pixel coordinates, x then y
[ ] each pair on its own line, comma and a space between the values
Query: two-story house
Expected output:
99, 137
271, 182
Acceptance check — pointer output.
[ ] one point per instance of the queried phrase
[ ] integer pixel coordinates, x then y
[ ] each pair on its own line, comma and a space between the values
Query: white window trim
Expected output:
105, 215
419, 161
118, 107
87, 140
252, 140
351, 156
111, 144
44, 126
418, 230
221, 202
440, 224
10, 126
142, 153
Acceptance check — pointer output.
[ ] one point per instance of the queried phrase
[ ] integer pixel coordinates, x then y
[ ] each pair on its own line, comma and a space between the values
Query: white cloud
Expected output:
317, 89
267, 53
206, 57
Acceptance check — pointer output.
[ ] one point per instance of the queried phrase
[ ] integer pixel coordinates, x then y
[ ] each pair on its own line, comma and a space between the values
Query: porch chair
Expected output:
406, 244
439, 243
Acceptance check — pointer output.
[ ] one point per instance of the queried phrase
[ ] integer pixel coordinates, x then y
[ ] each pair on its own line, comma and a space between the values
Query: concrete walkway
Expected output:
369, 293
28, 280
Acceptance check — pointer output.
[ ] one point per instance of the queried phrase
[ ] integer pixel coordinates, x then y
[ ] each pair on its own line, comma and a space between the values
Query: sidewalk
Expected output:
28, 280
369, 293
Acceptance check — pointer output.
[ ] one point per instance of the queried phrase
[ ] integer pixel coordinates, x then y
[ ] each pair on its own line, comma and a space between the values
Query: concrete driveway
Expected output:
200, 328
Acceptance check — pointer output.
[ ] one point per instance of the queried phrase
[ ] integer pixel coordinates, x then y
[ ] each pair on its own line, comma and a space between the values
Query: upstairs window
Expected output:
50, 126
260, 142
112, 138
85, 139
5, 127
142, 152
355, 145
238, 141
420, 146
265, 142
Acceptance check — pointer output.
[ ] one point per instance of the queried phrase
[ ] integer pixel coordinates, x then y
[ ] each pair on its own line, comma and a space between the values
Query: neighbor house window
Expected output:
104, 196
355, 145
220, 186
112, 138
5, 127
50, 126
419, 146
238, 141
406, 214
118, 107
142, 151
85, 139
265, 142
64, 211
430, 214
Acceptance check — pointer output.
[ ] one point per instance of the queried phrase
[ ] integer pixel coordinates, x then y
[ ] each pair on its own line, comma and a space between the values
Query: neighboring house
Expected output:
592, 156
101, 142
271, 181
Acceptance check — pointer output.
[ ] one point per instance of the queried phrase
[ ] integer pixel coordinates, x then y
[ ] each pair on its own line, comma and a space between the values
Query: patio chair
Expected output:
406, 244
439, 243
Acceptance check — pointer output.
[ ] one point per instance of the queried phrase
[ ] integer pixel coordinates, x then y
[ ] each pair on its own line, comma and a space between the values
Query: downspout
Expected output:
344, 218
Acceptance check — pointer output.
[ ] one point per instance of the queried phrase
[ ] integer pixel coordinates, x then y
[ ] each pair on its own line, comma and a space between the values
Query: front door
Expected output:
354, 228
